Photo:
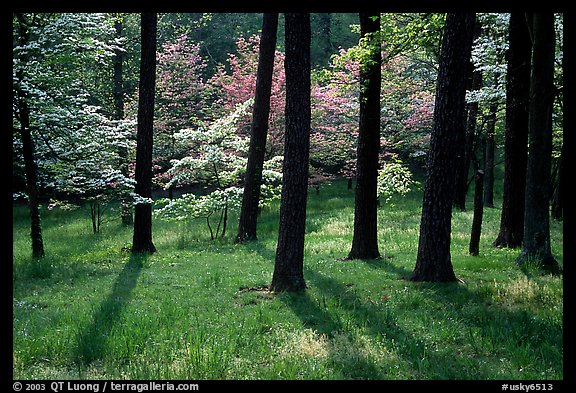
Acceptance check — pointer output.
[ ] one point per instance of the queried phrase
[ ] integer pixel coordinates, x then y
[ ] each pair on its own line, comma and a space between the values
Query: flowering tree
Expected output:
334, 119
407, 104
216, 159
393, 179
71, 142
87, 165
238, 84
180, 100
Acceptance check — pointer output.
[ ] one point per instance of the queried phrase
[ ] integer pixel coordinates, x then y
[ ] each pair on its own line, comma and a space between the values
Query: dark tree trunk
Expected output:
559, 188
536, 245
461, 186
253, 179
118, 94
31, 177
289, 264
433, 262
489, 157
516, 133
365, 240
558, 194
474, 246
28, 152
142, 240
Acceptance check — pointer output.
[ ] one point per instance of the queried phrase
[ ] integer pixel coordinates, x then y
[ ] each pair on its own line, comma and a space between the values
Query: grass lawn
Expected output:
197, 309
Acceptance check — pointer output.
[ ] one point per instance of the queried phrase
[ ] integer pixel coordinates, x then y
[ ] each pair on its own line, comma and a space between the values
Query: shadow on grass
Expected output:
261, 248
92, 340
387, 264
484, 331
380, 321
318, 318
500, 330
492, 328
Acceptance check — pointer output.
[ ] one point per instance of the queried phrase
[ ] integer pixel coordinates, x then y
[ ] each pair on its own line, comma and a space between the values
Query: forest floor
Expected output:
200, 309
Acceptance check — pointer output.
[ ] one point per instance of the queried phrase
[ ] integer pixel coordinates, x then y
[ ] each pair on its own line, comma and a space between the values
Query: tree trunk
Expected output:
253, 178
433, 262
489, 157
559, 188
118, 94
536, 245
474, 246
31, 177
516, 133
142, 239
28, 152
365, 240
558, 193
289, 264
461, 186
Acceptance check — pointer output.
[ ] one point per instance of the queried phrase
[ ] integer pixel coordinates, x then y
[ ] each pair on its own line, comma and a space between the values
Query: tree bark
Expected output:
474, 246
516, 133
253, 178
489, 149
536, 244
31, 177
28, 152
289, 264
461, 186
365, 240
557, 210
433, 262
142, 239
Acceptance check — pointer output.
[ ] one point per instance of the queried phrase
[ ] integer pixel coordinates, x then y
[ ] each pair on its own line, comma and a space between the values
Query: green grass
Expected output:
191, 311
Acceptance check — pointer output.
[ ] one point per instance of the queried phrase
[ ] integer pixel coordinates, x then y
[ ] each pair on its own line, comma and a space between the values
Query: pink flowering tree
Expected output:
406, 114
407, 105
335, 111
180, 100
236, 84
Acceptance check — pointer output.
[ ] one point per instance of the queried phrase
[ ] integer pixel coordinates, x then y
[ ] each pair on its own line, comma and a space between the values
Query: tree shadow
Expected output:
92, 340
260, 247
491, 329
495, 329
427, 360
317, 317
385, 263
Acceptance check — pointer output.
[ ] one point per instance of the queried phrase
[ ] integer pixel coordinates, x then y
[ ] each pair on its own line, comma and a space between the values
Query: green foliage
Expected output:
394, 179
407, 32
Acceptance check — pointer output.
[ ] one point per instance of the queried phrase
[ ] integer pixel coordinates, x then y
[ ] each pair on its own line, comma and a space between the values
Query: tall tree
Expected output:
489, 148
365, 240
433, 261
289, 264
536, 244
474, 245
261, 112
461, 186
23, 115
516, 132
142, 239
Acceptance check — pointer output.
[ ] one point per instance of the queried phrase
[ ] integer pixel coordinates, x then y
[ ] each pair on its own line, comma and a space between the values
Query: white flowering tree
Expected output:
394, 178
216, 160
57, 118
